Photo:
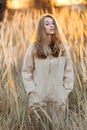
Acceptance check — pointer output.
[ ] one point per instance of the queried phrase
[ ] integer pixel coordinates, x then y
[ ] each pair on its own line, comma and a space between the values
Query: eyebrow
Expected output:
48, 21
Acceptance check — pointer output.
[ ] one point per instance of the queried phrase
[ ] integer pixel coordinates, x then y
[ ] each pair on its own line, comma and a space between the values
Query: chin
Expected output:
51, 33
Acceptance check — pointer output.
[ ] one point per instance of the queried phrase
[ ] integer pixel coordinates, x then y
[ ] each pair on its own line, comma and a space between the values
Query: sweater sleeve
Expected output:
68, 79
27, 71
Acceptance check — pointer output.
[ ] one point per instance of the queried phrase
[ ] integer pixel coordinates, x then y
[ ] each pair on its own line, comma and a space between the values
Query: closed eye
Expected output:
47, 24
50, 23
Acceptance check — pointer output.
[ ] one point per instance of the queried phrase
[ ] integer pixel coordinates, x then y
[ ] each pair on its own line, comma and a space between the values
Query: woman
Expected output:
47, 70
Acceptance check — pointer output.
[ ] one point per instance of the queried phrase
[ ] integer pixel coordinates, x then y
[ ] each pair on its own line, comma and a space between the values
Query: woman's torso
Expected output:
48, 78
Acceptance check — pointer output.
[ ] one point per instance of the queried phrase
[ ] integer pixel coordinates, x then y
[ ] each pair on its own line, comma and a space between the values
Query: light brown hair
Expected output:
42, 49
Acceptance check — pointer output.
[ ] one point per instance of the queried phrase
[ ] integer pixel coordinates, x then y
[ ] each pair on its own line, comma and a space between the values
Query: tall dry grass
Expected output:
15, 37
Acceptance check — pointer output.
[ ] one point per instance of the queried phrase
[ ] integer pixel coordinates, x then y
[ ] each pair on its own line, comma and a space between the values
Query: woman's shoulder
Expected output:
67, 50
66, 47
30, 48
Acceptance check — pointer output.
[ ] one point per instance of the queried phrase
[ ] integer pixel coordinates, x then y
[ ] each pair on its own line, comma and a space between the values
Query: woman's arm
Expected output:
27, 71
68, 80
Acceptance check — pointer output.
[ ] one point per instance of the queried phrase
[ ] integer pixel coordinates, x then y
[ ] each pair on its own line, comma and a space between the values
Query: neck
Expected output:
49, 39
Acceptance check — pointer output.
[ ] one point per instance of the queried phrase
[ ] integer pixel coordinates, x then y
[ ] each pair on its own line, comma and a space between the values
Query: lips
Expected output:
51, 29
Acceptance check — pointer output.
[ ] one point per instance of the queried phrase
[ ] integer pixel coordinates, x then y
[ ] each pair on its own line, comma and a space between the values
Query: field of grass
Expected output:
15, 36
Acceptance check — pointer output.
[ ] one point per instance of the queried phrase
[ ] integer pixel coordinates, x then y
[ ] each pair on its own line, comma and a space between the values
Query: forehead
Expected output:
48, 19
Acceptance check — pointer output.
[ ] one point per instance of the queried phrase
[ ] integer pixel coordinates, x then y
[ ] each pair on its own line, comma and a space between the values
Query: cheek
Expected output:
46, 29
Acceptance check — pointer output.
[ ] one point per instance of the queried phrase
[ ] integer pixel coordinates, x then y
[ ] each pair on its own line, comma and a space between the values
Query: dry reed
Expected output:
15, 34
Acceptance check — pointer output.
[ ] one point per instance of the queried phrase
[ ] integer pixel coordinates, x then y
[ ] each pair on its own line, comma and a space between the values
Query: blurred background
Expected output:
39, 5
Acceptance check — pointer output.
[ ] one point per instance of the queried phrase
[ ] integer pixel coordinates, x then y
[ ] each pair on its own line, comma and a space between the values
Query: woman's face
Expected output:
49, 25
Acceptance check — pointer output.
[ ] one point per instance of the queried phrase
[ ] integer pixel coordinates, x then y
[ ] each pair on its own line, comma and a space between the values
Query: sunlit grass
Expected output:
15, 36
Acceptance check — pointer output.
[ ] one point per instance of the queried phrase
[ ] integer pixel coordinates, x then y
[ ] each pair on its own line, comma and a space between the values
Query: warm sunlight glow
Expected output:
17, 4
68, 2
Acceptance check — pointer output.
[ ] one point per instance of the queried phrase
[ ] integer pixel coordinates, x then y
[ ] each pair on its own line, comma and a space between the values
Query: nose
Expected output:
51, 25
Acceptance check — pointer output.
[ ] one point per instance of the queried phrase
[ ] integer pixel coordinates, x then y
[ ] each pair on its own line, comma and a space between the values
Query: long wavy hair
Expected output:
42, 49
